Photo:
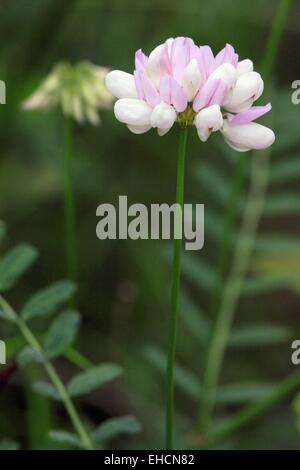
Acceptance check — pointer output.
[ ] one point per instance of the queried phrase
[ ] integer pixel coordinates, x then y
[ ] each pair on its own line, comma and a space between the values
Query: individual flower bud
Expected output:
121, 84
225, 72
133, 112
163, 116
208, 120
247, 136
244, 66
248, 88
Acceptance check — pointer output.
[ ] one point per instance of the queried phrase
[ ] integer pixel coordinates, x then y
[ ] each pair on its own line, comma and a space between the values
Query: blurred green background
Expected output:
124, 285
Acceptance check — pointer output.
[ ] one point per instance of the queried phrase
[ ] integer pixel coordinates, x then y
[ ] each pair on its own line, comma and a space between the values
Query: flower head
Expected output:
79, 89
185, 83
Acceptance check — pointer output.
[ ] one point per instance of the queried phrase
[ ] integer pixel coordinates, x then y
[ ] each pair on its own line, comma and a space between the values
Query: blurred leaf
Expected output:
286, 170
94, 378
193, 318
62, 333
67, 438
48, 300
9, 444
281, 269
29, 355
254, 335
213, 222
296, 410
14, 263
14, 345
214, 182
262, 285
282, 204
115, 427
185, 380
241, 393
198, 271
277, 244
76, 358
285, 122
2, 231
46, 389
5, 316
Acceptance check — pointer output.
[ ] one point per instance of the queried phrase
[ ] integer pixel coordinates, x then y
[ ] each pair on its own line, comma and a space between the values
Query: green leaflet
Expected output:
115, 427
48, 300
14, 264
62, 333
94, 378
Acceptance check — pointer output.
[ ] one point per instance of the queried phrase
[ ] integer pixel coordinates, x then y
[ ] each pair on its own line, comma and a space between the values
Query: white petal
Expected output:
225, 72
121, 84
248, 88
153, 65
208, 120
244, 66
133, 112
248, 136
162, 132
191, 79
163, 116
139, 129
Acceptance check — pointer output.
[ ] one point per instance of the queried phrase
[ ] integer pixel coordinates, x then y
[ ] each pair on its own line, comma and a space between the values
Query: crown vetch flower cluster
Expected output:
182, 82
79, 89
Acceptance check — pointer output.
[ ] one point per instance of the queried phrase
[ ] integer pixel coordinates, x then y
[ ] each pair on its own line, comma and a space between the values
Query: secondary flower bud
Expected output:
133, 112
163, 116
248, 88
248, 136
79, 90
121, 84
208, 120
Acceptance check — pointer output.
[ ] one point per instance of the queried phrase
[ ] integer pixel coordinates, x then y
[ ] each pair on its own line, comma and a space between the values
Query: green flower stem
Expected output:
53, 376
175, 293
69, 218
243, 250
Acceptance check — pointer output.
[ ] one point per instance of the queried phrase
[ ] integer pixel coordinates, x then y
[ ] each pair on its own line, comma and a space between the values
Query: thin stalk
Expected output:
243, 250
52, 374
175, 292
233, 288
69, 206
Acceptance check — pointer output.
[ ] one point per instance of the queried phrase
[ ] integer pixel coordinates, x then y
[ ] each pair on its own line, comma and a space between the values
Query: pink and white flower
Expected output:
185, 83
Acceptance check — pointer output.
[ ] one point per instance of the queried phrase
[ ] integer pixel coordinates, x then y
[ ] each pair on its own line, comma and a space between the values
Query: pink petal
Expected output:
205, 60
226, 55
212, 92
140, 60
165, 89
250, 115
139, 84
219, 93
178, 98
151, 94
179, 57
165, 62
